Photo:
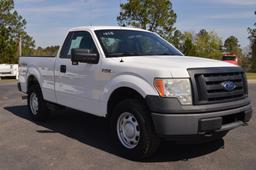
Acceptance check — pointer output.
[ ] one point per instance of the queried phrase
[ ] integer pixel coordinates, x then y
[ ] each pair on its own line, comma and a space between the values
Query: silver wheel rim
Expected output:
33, 103
128, 130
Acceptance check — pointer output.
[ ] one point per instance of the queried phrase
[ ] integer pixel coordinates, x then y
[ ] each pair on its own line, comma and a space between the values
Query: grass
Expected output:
251, 76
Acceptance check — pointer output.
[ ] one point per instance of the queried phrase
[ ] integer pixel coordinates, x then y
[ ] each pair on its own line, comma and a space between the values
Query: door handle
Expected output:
63, 68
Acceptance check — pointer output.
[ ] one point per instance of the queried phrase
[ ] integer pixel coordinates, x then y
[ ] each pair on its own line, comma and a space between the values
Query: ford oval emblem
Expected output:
229, 85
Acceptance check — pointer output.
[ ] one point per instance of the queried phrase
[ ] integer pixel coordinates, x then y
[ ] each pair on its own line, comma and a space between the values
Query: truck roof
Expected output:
93, 28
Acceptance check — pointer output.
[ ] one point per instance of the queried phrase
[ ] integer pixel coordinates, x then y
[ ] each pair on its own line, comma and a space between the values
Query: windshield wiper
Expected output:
125, 54
166, 54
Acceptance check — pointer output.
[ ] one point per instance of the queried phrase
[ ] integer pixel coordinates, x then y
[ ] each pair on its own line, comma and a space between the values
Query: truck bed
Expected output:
42, 67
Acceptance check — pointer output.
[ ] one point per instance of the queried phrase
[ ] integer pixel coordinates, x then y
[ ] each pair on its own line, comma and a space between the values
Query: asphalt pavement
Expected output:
74, 140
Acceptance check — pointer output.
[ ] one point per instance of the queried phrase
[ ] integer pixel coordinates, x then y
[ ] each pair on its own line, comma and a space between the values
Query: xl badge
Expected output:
229, 85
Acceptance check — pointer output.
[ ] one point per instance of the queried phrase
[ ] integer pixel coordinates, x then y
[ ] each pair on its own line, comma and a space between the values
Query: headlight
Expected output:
179, 88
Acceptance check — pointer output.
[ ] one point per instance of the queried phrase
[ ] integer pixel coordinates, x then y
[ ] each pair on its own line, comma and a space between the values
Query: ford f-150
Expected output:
142, 84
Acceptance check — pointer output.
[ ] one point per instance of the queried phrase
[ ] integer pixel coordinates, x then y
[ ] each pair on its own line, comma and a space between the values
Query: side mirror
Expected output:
84, 56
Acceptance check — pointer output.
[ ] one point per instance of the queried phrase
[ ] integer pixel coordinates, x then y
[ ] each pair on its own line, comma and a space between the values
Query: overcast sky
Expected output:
48, 20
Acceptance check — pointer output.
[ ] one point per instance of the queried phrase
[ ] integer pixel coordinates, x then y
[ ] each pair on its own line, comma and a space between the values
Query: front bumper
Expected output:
174, 119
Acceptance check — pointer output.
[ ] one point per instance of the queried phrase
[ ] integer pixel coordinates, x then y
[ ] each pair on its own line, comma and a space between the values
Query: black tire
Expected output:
148, 141
42, 113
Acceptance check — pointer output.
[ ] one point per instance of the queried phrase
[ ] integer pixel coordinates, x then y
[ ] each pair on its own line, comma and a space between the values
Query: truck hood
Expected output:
176, 65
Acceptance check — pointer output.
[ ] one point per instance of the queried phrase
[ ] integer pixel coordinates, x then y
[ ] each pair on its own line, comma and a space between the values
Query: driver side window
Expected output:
81, 40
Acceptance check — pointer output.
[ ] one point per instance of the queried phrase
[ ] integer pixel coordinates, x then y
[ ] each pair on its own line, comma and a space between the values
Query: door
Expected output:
75, 84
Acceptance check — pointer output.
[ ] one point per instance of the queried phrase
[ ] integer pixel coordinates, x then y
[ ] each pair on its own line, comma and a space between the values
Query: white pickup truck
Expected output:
145, 87
9, 70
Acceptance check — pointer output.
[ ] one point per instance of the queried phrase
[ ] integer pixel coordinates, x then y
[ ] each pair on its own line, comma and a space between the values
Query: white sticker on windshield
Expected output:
108, 33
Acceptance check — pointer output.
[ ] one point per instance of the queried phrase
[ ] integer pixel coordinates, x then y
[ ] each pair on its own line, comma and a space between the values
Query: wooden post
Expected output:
20, 47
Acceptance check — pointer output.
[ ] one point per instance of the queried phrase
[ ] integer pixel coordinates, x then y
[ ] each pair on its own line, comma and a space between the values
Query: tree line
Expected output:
153, 15
158, 16
12, 28
13, 34
48, 51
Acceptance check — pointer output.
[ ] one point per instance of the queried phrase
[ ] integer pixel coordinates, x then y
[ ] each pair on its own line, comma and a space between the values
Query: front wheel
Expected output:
133, 130
37, 106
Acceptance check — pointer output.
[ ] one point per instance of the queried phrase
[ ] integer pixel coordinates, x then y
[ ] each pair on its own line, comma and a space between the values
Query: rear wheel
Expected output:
37, 105
133, 130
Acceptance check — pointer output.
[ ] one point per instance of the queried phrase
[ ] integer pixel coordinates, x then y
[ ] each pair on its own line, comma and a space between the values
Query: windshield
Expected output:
122, 43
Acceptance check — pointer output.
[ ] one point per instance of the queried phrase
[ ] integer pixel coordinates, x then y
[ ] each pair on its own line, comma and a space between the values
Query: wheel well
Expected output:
31, 81
121, 94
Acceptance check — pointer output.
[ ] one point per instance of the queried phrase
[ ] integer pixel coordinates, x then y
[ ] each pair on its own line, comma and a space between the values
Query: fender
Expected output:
134, 82
33, 71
